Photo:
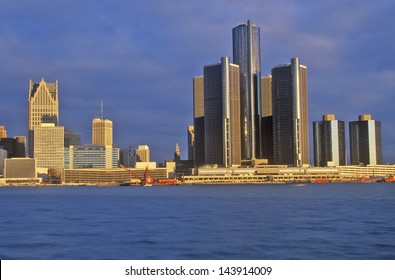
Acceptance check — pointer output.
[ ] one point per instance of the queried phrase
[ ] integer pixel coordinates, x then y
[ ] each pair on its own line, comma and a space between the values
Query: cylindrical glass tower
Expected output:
247, 54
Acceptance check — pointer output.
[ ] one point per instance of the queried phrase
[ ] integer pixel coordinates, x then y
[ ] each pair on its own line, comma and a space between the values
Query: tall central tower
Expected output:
247, 54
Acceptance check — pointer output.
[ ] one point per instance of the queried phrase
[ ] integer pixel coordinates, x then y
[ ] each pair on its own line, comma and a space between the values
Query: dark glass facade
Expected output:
329, 142
290, 114
247, 54
365, 142
213, 114
198, 120
267, 119
71, 138
222, 114
15, 147
267, 138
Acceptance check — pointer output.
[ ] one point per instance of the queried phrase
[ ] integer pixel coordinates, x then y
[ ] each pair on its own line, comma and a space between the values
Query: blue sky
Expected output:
140, 58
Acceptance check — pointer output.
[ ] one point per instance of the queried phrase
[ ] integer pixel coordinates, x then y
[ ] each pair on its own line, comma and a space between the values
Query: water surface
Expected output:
328, 221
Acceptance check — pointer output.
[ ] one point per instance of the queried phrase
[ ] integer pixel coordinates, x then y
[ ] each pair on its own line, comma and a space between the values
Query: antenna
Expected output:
101, 111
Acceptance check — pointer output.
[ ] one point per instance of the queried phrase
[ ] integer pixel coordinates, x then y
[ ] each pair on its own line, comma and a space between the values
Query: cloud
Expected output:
140, 57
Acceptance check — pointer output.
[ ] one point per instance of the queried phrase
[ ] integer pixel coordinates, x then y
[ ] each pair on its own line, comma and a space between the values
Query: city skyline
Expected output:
140, 61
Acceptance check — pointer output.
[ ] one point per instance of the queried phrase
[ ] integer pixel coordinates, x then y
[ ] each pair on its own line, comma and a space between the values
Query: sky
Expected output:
140, 57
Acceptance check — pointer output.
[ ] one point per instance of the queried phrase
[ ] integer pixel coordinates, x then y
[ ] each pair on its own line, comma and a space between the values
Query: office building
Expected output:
222, 114
329, 142
365, 141
198, 120
267, 119
15, 147
8, 145
101, 132
19, 147
91, 156
3, 132
43, 107
71, 138
247, 54
109, 176
191, 141
20, 168
49, 147
290, 114
3, 156
143, 154
126, 157
66, 156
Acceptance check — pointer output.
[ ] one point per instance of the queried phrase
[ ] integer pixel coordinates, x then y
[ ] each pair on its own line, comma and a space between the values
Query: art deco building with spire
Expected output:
43, 107
177, 153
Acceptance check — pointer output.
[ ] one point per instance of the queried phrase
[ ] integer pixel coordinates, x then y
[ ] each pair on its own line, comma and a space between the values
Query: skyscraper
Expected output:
71, 138
20, 146
191, 141
198, 120
49, 147
365, 141
101, 132
126, 156
247, 54
15, 147
143, 153
3, 132
329, 141
43, 107
267, 118
222, 114
290, 114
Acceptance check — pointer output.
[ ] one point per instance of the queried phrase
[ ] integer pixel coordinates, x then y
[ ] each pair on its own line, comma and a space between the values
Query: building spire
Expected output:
101, 110
177, 153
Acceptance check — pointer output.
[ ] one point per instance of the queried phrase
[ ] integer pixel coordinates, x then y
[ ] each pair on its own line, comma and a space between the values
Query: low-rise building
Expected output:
91, 156
20, 168
100, 176
285, 174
